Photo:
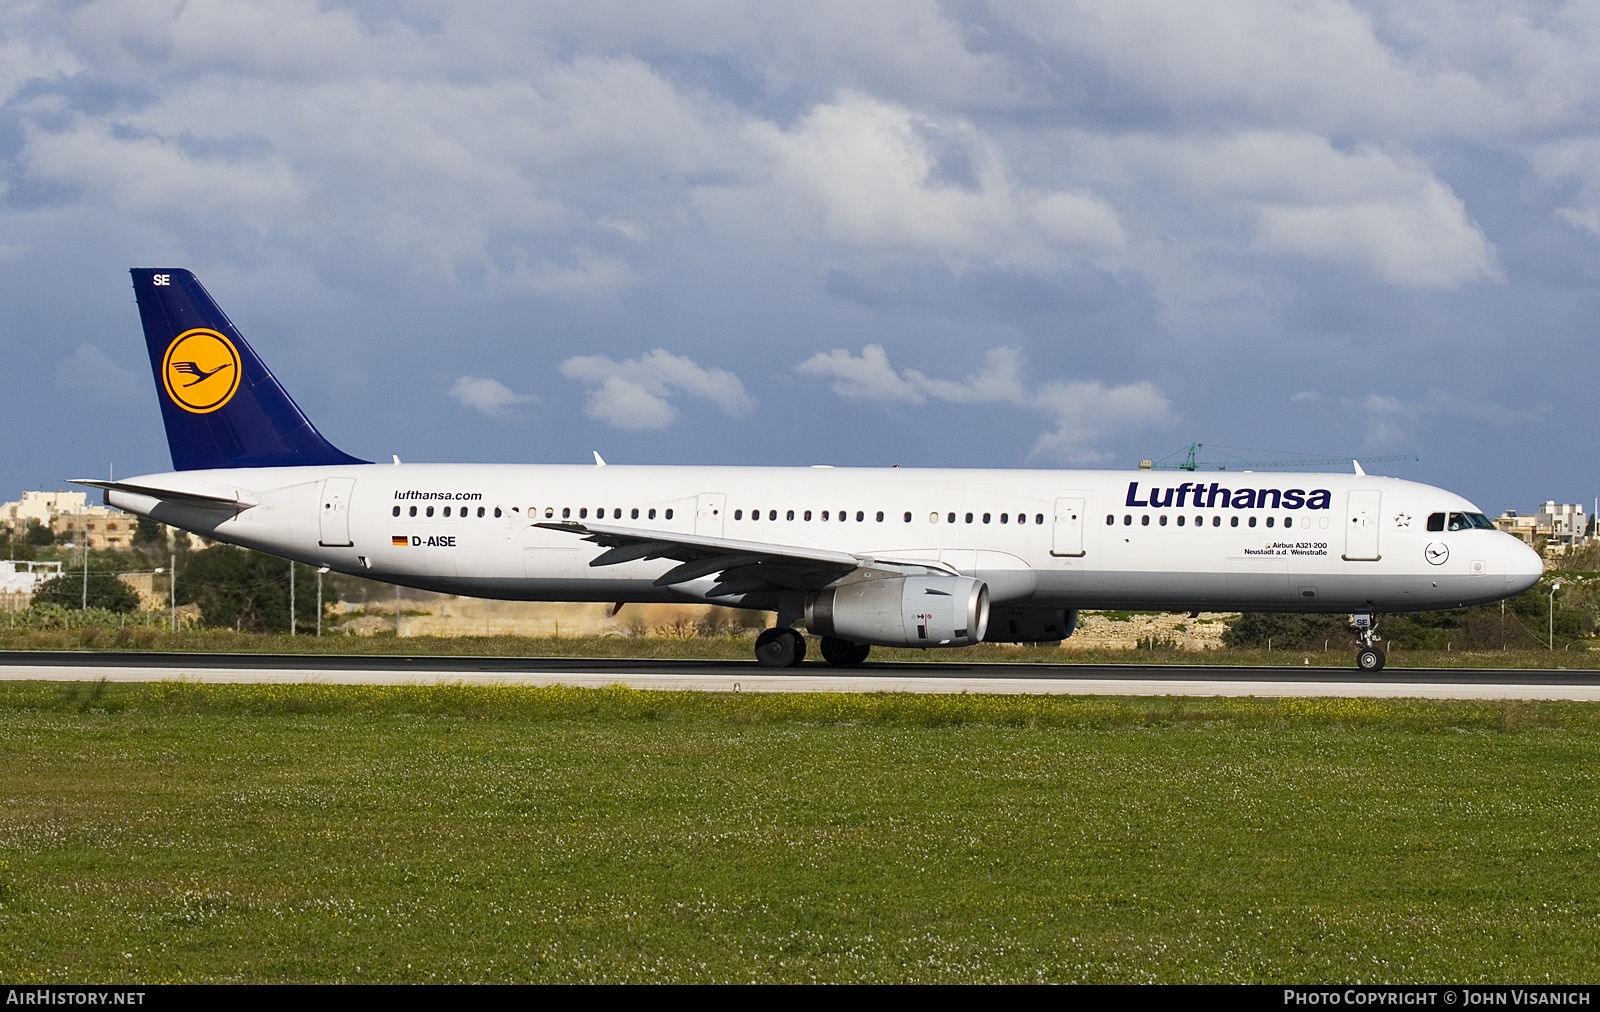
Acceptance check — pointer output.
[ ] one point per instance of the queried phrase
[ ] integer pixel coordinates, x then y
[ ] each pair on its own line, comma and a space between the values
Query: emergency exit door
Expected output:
1067, 536
334, 514
1361, 526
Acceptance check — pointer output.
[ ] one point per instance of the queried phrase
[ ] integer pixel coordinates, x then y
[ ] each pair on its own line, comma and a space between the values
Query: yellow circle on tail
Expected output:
200, 370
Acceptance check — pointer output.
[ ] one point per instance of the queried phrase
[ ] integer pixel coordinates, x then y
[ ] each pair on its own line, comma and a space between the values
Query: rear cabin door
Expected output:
1361, 526
1067, 537
708, 514
334, 516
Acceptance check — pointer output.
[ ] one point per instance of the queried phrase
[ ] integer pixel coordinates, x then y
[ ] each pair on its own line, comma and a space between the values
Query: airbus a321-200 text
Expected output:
858, 556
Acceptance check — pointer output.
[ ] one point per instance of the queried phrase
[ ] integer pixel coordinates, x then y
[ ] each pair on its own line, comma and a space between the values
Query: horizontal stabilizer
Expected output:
237, 501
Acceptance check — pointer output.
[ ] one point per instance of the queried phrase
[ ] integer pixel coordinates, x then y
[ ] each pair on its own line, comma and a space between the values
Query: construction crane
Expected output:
1189, 463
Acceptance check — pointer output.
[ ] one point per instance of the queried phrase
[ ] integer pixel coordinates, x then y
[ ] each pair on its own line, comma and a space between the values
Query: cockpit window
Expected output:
1436, 521
1469, 522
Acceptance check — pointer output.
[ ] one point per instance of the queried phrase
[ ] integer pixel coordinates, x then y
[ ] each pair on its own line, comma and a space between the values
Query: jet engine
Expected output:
902, 611
1030, 625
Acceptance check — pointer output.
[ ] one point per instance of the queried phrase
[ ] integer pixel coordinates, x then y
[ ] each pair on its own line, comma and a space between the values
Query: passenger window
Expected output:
447, 511
908, 516
1038, 518
950, 518
1436, 521
653, 513
1127, 520
969, 518
824, 515
549, 511
860, 516
430, 511
1232, 521
669, 513
413, 511
583, 513
986, 518
880, 516
1181, 519
397, 511
1163, 520
807, 515
616, 514
1269, 521
1022, 518
634, 513
1252, 521
1110, 519
737, 514
1144, 520
772, 514
1216, 521
1005, 517
789, 515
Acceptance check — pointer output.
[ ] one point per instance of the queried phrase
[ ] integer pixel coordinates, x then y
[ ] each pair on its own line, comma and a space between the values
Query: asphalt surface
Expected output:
747, 676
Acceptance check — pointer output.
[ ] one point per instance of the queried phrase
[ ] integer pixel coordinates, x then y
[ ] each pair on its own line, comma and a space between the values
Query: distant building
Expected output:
1522, 525
39, 506
105, 528
1566, 521
70, 517
18, 581
1559, 526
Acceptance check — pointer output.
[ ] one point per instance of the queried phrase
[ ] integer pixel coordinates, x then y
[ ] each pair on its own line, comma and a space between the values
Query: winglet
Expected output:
599, 461
1357, 463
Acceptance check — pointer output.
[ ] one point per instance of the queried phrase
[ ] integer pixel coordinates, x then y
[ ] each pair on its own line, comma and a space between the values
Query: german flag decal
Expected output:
399, 540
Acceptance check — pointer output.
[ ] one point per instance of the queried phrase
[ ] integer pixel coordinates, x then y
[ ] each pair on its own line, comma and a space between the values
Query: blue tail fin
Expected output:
222, 406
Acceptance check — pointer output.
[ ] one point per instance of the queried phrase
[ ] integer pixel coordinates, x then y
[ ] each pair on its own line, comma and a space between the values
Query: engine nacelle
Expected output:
1030, 625
902, 611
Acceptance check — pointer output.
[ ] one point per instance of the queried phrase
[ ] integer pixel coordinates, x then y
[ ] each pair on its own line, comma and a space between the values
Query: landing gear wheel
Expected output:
1369, 659
780, 648
842, 653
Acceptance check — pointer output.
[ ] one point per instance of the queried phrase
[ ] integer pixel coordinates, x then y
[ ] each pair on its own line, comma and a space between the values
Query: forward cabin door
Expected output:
334, 515
1066, 539
1361, 526
709, 507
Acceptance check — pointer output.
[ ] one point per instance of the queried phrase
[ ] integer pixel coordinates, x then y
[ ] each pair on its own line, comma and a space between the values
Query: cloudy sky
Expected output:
976, 234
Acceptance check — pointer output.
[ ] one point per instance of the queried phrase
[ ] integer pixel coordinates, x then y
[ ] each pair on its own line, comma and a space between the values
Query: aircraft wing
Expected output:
740, 566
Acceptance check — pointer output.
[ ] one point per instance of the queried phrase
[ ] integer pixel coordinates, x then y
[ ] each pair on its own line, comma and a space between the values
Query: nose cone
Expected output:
1523, 566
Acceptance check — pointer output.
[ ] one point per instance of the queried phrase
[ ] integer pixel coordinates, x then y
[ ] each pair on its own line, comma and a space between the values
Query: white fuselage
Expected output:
1086, 539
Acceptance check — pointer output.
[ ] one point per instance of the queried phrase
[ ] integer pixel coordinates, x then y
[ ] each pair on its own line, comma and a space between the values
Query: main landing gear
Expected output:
780, 648
1370, 656
785, 648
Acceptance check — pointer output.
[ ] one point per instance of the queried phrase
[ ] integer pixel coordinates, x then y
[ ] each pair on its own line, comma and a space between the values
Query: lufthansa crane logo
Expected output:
200, 370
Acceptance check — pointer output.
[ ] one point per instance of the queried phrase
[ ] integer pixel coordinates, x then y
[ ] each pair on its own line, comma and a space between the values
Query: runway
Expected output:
747, 676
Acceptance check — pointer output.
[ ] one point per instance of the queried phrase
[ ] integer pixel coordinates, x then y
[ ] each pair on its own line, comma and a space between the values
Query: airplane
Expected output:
859, 557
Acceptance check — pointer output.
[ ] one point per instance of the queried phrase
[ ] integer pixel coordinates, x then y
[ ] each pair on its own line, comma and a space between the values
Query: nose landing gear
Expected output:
1370, 656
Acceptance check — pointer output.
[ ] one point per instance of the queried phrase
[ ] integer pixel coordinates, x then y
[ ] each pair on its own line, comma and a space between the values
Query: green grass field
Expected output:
185, 832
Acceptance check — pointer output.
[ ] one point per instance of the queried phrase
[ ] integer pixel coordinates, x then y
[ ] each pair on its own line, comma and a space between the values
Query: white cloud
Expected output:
1391, 421
1384, 214
1084, 412
489, 396
90, 370
878, 176
635, 394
